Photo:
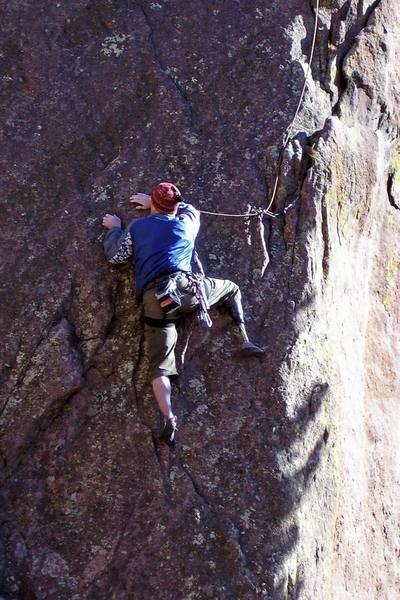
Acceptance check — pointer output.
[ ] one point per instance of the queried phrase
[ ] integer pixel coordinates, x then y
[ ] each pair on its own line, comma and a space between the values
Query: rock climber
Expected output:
161, 247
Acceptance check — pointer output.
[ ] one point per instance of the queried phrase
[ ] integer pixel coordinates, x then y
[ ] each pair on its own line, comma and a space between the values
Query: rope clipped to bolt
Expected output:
258, 211
255, 211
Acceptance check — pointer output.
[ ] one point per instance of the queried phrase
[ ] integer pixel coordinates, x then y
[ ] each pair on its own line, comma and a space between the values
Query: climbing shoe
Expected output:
167, 434
250, 349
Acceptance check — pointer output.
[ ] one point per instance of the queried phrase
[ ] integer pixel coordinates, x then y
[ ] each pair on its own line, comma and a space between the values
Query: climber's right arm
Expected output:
191, 216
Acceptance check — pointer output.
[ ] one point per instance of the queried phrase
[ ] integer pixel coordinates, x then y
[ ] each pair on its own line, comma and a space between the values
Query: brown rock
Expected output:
285, 479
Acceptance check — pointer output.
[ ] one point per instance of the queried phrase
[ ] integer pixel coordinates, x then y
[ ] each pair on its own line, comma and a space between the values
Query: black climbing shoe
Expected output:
167, 435
250, 349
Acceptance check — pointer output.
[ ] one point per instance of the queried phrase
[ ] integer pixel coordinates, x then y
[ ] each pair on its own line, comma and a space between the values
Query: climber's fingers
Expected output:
143, 200
110, 221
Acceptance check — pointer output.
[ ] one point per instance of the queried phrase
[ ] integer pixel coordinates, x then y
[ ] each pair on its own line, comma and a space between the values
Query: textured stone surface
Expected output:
285, 480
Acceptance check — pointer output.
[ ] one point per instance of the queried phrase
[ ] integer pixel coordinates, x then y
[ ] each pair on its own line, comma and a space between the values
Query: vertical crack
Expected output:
325, 237
139, 403
390, 184
233, 534
164, 473
166, 71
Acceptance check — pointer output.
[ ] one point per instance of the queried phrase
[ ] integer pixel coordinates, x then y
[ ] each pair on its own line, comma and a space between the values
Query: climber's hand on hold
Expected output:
143, 200
110, 221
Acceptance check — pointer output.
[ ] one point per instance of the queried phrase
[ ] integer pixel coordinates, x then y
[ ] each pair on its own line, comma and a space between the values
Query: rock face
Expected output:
285, 480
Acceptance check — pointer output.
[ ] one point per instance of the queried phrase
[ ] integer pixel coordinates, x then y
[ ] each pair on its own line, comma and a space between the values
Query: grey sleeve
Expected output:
118, 245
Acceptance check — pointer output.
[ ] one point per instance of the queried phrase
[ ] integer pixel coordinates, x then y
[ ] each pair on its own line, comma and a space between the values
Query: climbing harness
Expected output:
267, 211
169, 295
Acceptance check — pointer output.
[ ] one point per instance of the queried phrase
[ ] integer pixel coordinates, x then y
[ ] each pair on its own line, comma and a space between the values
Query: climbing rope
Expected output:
267, 211
254, 212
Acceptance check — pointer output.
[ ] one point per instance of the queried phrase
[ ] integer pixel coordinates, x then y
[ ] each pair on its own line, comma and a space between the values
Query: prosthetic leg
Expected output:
234, 303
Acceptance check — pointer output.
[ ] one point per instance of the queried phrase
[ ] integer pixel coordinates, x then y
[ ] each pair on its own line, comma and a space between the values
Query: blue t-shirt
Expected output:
163, 242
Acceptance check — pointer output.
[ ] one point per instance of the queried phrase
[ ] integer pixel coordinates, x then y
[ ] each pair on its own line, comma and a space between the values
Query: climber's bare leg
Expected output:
162, 392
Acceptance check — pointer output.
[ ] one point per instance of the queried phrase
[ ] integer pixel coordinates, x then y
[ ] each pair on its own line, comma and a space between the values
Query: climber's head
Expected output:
165, 198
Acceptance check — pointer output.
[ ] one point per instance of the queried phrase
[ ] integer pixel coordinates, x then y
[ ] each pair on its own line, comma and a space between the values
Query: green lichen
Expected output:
313, 153
114, 44
392, 268
351, 201
390, 219
326, 356
395, 164
327, 3
387, 301
391, 276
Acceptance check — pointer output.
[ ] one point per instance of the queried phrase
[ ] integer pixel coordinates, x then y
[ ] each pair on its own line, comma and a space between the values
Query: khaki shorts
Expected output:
160, 340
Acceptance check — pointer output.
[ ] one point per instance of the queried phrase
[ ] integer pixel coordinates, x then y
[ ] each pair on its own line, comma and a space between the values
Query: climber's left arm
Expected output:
118, 241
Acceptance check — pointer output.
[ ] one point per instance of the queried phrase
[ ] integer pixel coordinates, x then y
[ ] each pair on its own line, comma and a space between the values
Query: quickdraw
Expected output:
202, 314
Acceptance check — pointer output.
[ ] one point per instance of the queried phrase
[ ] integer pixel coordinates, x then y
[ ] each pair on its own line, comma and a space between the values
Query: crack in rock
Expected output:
166, 71
234, 532
390, 184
